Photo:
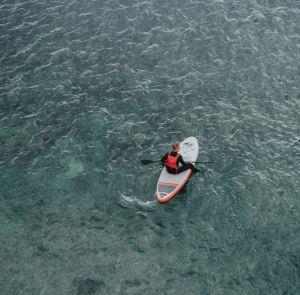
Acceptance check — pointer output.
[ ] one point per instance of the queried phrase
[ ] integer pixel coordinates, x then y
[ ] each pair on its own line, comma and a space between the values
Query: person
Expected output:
172, 159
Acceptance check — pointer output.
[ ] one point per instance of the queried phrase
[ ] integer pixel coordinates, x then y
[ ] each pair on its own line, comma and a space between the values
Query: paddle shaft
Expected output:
146, 162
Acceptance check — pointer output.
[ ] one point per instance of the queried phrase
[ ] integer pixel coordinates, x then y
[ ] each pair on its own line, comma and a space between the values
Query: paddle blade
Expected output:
146, 162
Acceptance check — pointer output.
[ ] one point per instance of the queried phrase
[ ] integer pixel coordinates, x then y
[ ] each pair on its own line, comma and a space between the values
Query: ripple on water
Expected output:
89, 88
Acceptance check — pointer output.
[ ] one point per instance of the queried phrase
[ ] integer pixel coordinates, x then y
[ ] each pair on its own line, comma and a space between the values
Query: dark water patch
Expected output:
88, 286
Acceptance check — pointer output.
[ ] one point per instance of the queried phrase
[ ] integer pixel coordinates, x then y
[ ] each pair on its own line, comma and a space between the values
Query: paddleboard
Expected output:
169, 185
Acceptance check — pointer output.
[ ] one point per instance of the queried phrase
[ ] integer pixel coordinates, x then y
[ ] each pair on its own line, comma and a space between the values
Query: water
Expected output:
89, 88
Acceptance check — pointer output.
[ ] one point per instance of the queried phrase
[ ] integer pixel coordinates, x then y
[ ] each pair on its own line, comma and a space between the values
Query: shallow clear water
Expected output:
89, 88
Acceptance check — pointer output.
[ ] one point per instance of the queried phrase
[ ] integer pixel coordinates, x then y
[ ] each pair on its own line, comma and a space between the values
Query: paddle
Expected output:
147, 162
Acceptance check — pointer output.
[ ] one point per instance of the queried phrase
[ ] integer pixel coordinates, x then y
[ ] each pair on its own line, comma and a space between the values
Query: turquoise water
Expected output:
89, 88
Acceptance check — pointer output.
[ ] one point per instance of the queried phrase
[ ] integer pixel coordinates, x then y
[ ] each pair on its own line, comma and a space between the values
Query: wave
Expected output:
133, 201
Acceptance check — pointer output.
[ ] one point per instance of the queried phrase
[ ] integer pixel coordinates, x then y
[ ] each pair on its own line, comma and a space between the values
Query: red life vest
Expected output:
172, 161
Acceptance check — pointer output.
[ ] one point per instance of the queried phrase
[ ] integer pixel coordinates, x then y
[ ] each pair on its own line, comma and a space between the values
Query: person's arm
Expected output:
181, 161
164, 158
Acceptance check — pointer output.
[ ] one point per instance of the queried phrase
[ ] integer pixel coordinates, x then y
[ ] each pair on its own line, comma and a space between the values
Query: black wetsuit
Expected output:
185, 166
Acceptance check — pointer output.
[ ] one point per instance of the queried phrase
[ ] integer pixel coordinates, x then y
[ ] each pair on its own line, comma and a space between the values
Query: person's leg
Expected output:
182, 168
186, 167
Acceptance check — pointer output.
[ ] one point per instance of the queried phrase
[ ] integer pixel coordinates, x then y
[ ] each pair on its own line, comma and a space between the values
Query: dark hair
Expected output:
174, 146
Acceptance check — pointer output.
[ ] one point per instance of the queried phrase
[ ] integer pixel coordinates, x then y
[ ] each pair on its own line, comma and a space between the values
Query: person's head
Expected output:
176, 147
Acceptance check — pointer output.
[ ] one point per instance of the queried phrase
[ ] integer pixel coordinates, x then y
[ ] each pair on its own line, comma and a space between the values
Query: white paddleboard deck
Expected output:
169, 185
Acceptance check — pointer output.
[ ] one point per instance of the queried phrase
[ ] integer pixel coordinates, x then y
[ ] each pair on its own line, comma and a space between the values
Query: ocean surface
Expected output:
89, 88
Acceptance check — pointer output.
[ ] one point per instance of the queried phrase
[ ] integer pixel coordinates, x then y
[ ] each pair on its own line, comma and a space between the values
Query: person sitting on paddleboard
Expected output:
172, 159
